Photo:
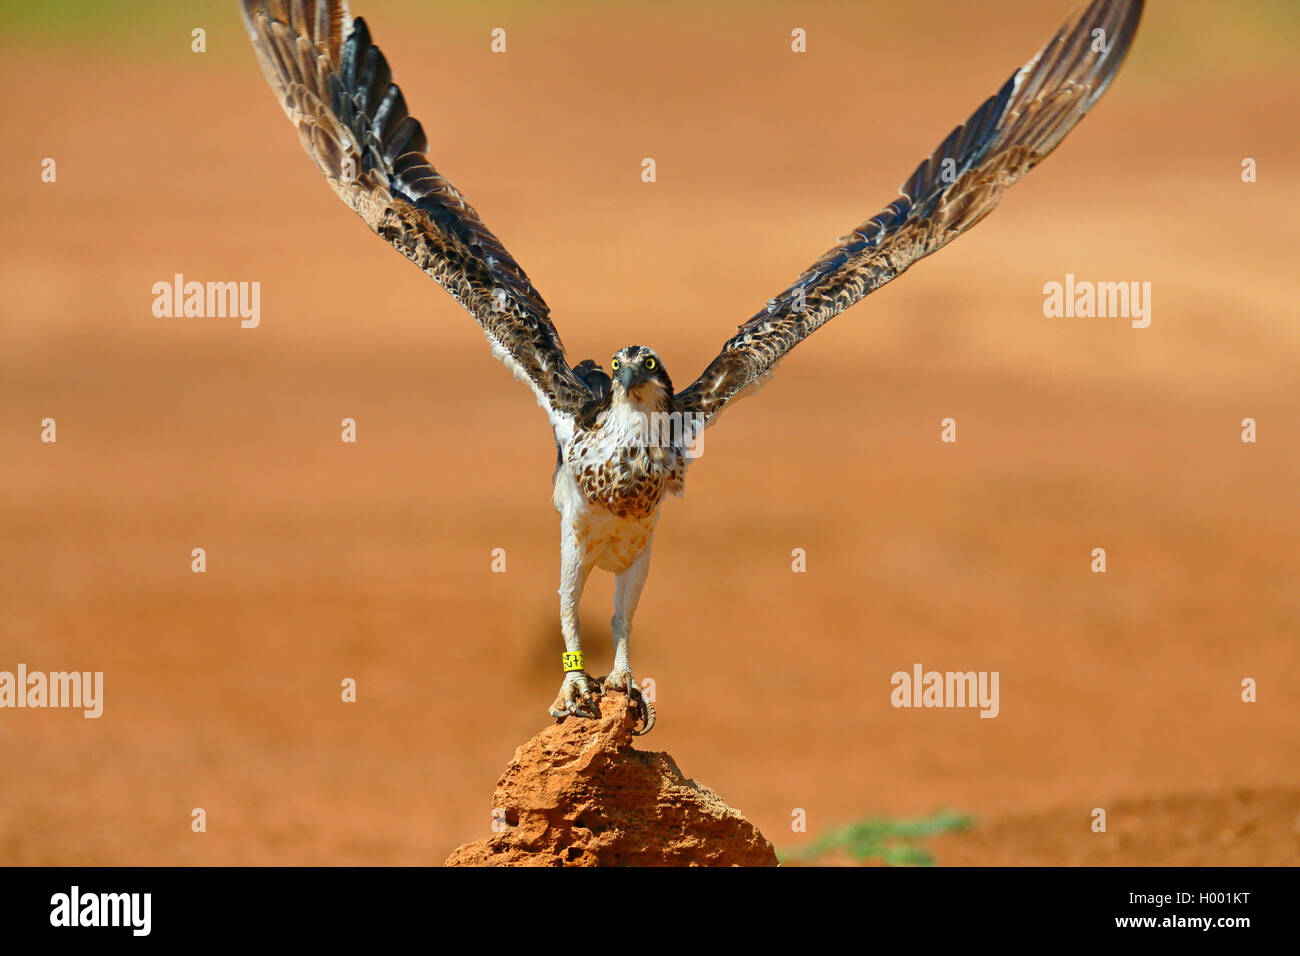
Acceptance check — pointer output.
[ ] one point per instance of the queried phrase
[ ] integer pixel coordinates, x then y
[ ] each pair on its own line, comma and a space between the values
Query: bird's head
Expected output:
640, 377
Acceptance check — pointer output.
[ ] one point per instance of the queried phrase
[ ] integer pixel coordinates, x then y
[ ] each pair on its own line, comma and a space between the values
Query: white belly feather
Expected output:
607, 541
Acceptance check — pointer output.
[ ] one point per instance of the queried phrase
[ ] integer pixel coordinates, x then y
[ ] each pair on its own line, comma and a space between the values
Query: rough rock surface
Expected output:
579, 794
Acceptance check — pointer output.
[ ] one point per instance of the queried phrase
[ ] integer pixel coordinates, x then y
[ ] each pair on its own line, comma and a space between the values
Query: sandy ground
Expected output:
373, 561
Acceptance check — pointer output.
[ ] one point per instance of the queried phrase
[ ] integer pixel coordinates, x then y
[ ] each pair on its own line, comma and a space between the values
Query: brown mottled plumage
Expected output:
612, 472
336, 88
952, 190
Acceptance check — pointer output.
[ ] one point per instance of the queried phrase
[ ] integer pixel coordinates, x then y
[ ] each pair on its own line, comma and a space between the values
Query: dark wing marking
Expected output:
952, 190
594, 377
336, 88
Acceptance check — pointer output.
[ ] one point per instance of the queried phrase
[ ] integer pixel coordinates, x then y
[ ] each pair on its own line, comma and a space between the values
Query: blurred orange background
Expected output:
373, 561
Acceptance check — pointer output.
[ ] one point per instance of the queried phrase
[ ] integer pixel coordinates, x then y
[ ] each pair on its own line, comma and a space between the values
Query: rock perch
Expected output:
579, 794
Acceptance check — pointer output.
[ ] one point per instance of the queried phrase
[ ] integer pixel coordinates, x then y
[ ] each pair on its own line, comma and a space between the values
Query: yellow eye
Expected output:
650, 363
615, 365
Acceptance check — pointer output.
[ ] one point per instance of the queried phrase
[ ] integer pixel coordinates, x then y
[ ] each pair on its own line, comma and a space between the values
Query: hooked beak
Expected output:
627, 375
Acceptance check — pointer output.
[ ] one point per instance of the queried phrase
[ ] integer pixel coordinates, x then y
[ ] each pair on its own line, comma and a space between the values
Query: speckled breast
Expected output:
630, 482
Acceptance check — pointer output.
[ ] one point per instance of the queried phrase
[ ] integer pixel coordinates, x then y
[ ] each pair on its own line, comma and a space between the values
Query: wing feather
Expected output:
949, 192
337, 89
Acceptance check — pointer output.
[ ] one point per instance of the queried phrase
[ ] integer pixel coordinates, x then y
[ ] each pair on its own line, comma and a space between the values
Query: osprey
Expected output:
624, 440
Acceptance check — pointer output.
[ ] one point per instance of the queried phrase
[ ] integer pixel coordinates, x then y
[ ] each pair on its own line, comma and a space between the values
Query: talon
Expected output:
575, 698
623, 681
647, 714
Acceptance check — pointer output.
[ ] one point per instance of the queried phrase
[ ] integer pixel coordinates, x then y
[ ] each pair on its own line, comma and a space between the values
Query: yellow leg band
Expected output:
573, 661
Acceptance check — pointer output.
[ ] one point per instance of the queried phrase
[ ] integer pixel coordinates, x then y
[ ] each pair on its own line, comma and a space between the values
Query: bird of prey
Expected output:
624, 438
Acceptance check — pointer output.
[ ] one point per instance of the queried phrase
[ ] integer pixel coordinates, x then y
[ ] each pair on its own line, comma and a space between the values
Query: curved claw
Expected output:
622, 681
576, 698
647, 714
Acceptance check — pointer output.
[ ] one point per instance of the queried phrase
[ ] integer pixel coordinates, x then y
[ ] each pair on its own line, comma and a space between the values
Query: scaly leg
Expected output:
627, 592
577, 693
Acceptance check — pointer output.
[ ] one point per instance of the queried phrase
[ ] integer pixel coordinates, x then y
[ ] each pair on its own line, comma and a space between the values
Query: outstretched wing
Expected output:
336, 88
952, 190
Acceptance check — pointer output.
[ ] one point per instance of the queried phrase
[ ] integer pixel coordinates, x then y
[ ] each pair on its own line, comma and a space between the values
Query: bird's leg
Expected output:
627, 592
577, 696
